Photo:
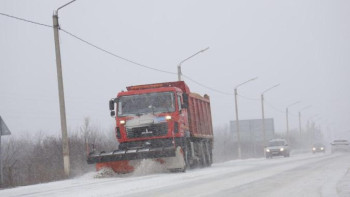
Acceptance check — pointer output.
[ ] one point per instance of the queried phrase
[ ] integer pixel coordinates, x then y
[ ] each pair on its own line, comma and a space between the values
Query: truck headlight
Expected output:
281, 149
314, 148
268, 150
122, 122
322, 148
168, 117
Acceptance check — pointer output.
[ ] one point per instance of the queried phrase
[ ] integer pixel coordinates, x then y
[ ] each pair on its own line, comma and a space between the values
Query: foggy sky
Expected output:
302, 45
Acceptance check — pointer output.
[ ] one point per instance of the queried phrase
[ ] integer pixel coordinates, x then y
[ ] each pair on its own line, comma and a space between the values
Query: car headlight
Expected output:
313, 148
281, 149
268, 150
322, 148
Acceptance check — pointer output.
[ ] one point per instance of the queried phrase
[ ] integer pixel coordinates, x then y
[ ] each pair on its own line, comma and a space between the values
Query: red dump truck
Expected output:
165, 122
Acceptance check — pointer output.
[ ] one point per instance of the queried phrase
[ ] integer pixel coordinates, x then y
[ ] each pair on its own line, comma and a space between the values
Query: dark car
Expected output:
277, 147
318, 148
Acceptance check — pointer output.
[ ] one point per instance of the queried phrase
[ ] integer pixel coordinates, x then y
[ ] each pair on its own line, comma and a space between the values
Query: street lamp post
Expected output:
65, 145
237, 122
262, 109
307, 107
287, 115
310, 129
179, 73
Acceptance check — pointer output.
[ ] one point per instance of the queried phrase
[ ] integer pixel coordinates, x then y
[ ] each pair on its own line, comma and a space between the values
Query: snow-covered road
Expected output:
300, 175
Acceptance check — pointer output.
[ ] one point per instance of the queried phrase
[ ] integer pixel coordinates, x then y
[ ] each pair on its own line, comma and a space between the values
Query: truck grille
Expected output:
148, 131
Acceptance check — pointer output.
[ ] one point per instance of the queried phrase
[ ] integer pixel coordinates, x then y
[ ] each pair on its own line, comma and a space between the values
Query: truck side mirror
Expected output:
111, 104
111, 107
185, 100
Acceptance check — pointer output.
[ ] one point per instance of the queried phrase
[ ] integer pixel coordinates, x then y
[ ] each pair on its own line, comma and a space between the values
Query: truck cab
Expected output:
150, 117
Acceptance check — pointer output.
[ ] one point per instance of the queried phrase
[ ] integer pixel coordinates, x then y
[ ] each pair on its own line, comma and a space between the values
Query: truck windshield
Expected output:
146, 103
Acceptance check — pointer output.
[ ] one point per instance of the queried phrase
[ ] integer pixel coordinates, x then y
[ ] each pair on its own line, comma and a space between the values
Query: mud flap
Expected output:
177, 162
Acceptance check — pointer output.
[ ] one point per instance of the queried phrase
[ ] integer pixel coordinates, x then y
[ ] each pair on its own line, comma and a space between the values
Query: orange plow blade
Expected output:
169, 157
116, 166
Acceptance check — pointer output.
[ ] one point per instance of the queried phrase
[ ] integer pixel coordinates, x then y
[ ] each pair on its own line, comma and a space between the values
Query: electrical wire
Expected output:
280, 111
117, 56
25, 20
86, 42
204, 86
142, 65
120, 57
274, 108
248, 98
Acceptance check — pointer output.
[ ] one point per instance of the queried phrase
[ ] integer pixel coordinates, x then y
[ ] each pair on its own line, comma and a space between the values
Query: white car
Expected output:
340, 146
277, 147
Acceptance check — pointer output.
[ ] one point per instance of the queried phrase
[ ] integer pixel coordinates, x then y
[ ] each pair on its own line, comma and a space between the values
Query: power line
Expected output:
113, 54
86, 42
110, 53
204, 86
274, 108
142, 65
25, 20
280, 111
248, 98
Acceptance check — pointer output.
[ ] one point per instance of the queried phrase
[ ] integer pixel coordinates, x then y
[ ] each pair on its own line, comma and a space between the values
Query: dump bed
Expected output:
200, 116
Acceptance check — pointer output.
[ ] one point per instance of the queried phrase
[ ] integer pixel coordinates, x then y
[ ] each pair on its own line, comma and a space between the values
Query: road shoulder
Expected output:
343, 186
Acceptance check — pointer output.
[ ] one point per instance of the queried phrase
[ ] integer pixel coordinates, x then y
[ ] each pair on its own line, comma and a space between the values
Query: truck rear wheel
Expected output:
208, 154
203, 157
186, 157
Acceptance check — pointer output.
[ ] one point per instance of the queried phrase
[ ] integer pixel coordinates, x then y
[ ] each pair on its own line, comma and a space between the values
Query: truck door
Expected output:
183, 119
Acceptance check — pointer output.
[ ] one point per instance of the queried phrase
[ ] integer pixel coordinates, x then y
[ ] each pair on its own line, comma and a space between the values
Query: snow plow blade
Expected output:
131, 154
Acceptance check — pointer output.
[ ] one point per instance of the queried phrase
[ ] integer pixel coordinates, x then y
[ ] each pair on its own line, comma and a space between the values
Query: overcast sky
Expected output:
302, 45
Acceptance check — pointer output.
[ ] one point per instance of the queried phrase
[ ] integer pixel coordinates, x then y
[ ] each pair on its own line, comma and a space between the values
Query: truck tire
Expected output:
186, 156
203, 158
208, 153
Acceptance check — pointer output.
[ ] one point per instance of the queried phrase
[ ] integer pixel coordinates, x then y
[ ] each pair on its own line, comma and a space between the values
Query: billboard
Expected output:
252, 130
3, 128
251, 136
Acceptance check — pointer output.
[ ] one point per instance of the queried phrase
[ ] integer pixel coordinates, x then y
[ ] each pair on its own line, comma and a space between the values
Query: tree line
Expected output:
38, 159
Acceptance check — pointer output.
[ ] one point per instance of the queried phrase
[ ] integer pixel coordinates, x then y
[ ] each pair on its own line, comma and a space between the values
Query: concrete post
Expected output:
65, 145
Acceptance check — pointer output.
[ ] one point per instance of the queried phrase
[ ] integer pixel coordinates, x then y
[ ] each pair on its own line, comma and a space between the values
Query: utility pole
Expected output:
287, 122
263, 118
287, 116
237, 128
1, 176
65, 144
237, 120
263, 112
3, 131
300, 123
300, 118
179, 73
